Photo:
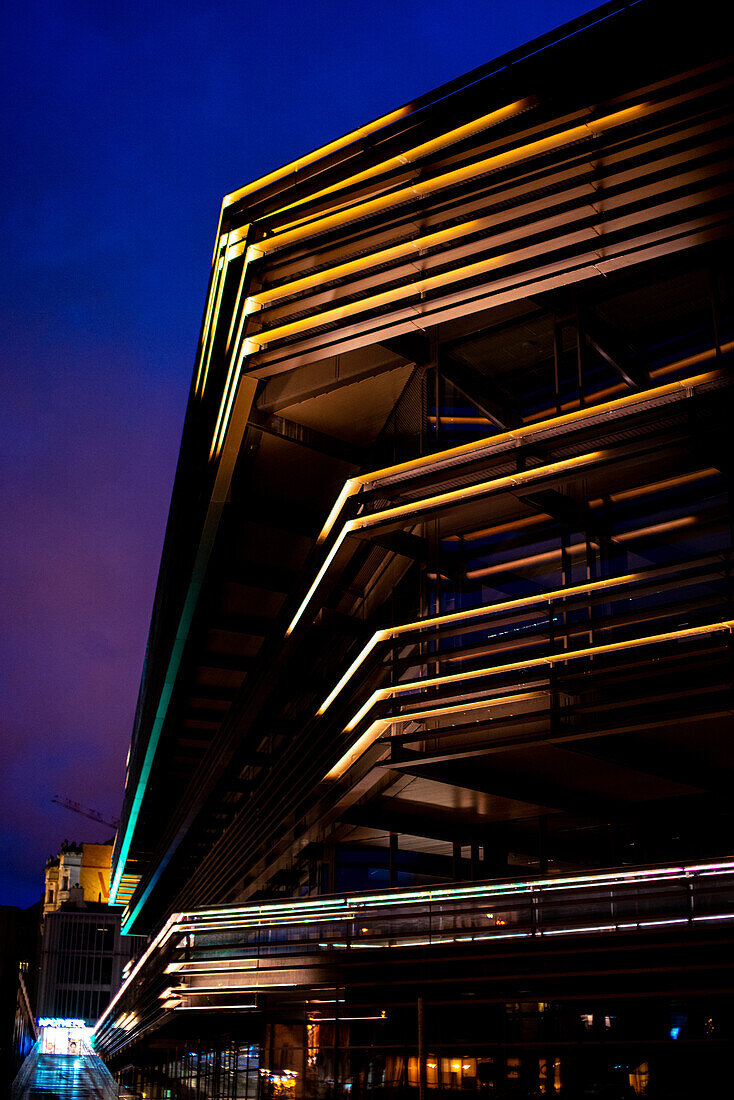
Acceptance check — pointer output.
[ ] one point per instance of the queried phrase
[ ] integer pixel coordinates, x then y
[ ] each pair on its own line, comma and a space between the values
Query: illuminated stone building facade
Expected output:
429, 785
77, 865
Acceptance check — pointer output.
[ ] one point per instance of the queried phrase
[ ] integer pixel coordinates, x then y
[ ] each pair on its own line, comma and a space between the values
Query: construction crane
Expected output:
79, 809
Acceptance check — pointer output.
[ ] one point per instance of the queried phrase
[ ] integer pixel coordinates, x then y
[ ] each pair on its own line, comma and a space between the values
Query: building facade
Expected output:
429, 785
77, 865
82, 951
82, 958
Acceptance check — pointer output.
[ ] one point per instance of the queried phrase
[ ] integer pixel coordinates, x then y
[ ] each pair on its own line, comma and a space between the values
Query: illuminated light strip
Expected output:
692, 360
232, 253
347, 528
211, 1008
209, 991
514, 240
317, 154
439, 500
574, 403
373, 259
212, 924
424, 188
500, 528
410, 686
658, 372
484, 890
476, 893
655, 487
332, 1019
219, 495
157, 942
209, 308
451, 137
233, 373
272, 908
589, 928
377, 728
711, 868
516, 250
577, 187
574, 548
213, 968
478, 447
382, 694
490, 890
211, 327
125, 889
223, 420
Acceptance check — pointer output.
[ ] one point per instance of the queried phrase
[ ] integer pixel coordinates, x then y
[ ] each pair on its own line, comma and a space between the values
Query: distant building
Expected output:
84, 865
82, 952
82, 956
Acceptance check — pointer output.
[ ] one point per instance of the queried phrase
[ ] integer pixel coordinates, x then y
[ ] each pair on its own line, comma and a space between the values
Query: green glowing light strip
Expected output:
220, 492
208, 919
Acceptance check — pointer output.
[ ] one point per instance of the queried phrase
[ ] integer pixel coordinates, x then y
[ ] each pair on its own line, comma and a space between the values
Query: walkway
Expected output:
65, 1077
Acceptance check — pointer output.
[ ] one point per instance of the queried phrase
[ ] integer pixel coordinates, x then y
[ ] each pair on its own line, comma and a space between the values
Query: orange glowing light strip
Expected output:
692, 360
466, 492
378, 728
317, 154
453, 617
361, 263
509, 481
236, 359
213, 325
428, 283
440, 500
225, 409
372, 259
536, 662
207, 320
423, 188
435, 145
576, 547
655, 487
504, 439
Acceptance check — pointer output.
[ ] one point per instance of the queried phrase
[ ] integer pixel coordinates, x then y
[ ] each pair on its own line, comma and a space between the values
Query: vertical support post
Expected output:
457, 862
714, 311
543, 844
421, 1054
393, 859
557, 360
580, 356
433, 342
337, 1052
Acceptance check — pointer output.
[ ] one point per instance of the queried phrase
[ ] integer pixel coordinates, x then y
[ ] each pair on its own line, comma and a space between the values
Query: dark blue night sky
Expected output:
123, 126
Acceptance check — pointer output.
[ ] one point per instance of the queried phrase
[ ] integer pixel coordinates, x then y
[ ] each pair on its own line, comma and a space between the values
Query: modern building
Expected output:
82, 958
82, 951
430, 780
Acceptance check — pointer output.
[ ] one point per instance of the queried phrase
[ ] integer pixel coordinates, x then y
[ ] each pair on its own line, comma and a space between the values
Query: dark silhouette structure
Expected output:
429, 786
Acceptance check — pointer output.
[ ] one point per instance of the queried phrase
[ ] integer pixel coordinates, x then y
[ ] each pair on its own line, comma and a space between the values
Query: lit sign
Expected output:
57, 1021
